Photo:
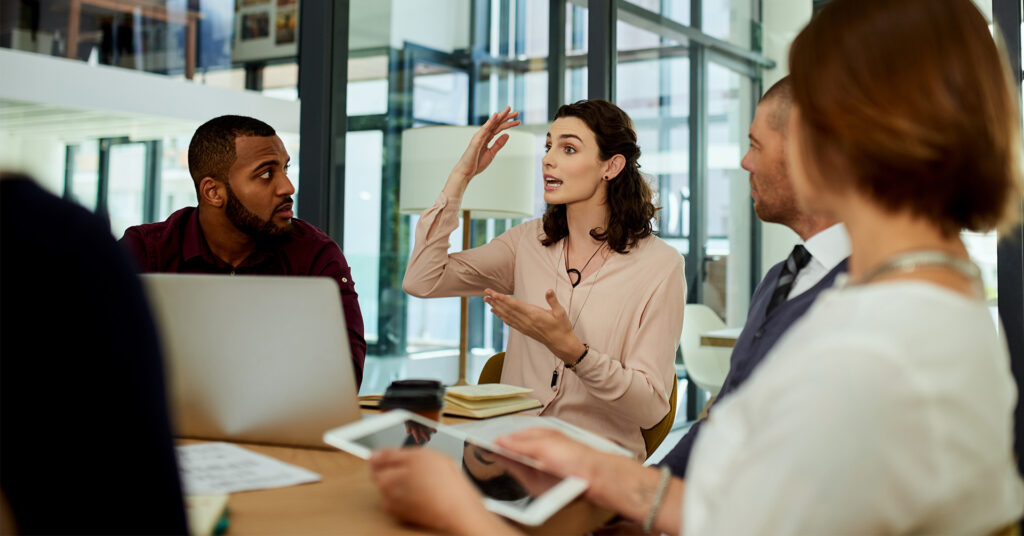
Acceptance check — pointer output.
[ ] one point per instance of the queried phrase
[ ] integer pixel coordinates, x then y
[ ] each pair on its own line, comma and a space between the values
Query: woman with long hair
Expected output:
596, 305
888, 409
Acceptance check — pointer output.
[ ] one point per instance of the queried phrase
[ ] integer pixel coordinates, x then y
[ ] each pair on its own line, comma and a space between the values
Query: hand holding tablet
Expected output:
510, 484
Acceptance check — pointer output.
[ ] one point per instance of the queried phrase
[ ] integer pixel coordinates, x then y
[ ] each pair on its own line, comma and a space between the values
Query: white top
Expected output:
827, 248
887, 409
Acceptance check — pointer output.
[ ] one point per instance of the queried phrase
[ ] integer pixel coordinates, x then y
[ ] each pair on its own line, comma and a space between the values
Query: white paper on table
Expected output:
210, 468
492, 429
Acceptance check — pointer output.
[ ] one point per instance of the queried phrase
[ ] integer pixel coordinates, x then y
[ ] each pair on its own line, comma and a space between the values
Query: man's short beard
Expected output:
249, 223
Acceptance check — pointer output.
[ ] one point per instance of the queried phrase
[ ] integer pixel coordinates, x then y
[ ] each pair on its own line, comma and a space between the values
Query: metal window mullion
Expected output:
103, 179
151, 184
578, 34
698, 126
254, 76
335, 188
69, 171
518, 50
601, 48
392, 309
664, 131
670, 29
323, 80
480, 27
556, 56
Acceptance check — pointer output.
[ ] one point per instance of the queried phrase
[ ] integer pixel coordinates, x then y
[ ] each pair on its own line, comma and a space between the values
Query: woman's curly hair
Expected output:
630, 206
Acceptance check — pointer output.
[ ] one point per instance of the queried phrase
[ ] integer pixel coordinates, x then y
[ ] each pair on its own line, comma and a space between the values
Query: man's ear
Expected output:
613, 166
212, 192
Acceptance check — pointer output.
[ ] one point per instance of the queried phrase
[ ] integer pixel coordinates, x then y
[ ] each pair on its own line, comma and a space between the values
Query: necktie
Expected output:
797, 259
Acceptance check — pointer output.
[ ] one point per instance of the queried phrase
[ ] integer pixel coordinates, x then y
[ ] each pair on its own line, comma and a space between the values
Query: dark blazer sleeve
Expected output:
677, 458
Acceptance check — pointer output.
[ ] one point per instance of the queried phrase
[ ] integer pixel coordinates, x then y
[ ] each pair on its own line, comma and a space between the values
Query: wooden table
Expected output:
721, 338
347, 502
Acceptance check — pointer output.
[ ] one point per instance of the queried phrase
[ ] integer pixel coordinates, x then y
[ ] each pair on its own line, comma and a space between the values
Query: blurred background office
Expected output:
99, 99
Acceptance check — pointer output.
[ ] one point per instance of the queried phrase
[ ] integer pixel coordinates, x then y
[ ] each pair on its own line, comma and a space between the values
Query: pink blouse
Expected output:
630, 312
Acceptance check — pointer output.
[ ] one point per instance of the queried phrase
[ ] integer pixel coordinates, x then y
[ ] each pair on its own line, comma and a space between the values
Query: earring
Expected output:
606, 179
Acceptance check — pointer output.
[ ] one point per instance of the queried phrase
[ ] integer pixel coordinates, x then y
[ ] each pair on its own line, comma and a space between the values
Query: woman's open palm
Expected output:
478, 155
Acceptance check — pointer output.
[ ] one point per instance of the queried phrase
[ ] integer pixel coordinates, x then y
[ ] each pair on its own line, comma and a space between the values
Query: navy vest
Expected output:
759, 335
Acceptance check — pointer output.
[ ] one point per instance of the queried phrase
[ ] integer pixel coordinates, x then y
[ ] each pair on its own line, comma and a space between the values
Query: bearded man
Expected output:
244, 223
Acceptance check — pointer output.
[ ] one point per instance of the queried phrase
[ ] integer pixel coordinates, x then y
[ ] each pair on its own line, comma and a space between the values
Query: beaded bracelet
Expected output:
659, 495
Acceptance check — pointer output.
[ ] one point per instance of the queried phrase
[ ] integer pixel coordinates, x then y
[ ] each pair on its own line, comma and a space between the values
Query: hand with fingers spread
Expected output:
550, 327
481, 151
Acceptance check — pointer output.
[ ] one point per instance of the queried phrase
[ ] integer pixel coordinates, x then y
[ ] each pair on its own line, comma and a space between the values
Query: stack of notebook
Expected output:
487, 400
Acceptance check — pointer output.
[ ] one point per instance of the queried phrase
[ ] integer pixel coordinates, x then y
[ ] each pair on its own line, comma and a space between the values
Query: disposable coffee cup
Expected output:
424, 397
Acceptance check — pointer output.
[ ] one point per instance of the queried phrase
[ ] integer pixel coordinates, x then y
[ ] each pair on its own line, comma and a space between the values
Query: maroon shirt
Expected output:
177, 245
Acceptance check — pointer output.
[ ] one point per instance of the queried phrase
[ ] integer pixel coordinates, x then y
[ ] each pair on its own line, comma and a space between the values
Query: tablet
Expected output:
510, 484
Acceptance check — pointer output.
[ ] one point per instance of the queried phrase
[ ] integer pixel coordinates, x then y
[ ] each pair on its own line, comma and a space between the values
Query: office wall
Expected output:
41, 157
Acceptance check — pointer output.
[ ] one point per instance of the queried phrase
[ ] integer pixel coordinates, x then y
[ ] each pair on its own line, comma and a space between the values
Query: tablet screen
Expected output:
495, 475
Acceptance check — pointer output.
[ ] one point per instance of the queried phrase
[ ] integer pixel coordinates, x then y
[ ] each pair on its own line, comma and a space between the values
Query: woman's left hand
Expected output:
550, 327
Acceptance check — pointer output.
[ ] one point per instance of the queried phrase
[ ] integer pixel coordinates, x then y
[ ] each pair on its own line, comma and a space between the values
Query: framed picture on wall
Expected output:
265, 30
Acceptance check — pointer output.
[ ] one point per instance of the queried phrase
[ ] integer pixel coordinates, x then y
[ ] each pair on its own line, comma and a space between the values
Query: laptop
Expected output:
260, 359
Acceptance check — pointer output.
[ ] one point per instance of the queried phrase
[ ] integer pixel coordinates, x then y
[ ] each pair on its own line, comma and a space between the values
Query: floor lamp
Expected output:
504, 190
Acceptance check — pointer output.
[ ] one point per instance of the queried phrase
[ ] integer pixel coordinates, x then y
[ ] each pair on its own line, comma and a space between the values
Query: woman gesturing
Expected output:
594, 300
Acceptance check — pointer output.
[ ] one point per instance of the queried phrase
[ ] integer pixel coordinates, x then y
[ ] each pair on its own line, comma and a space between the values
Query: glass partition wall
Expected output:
401, 75
134, 169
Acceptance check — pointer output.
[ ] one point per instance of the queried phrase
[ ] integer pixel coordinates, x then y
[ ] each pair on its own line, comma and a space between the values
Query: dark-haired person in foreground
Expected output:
85, 437
244, 223
888, 408
597, 301
790, 287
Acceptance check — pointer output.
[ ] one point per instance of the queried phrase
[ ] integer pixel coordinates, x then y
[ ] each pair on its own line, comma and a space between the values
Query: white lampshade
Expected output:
503, 190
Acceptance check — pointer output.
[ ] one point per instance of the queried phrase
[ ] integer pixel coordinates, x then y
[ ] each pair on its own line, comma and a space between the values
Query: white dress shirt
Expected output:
827, 248
887, 409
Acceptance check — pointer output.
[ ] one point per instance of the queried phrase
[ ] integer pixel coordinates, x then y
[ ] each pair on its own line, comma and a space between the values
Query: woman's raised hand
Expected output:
479, 155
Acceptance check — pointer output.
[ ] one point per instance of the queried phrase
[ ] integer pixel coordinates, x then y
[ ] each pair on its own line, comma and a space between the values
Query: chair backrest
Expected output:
655, 435
706, 366
492, 369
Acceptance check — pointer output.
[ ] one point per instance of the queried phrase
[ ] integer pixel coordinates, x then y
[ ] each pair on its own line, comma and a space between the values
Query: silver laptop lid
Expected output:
263, 359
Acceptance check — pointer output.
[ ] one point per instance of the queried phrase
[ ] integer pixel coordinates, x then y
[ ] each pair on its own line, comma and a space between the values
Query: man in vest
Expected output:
790, 287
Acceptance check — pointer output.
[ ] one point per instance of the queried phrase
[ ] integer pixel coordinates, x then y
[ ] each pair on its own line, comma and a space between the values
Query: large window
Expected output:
485, 55
126, 147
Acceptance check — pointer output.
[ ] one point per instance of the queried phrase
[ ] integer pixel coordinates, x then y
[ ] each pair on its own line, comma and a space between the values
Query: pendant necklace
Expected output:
572, 292
578, 273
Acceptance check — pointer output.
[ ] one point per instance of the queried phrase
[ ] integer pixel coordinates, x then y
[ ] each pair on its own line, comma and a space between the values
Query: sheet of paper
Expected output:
491, 429
211, 468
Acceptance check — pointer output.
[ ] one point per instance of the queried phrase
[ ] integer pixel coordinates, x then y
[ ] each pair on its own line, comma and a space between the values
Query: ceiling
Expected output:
39, 120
